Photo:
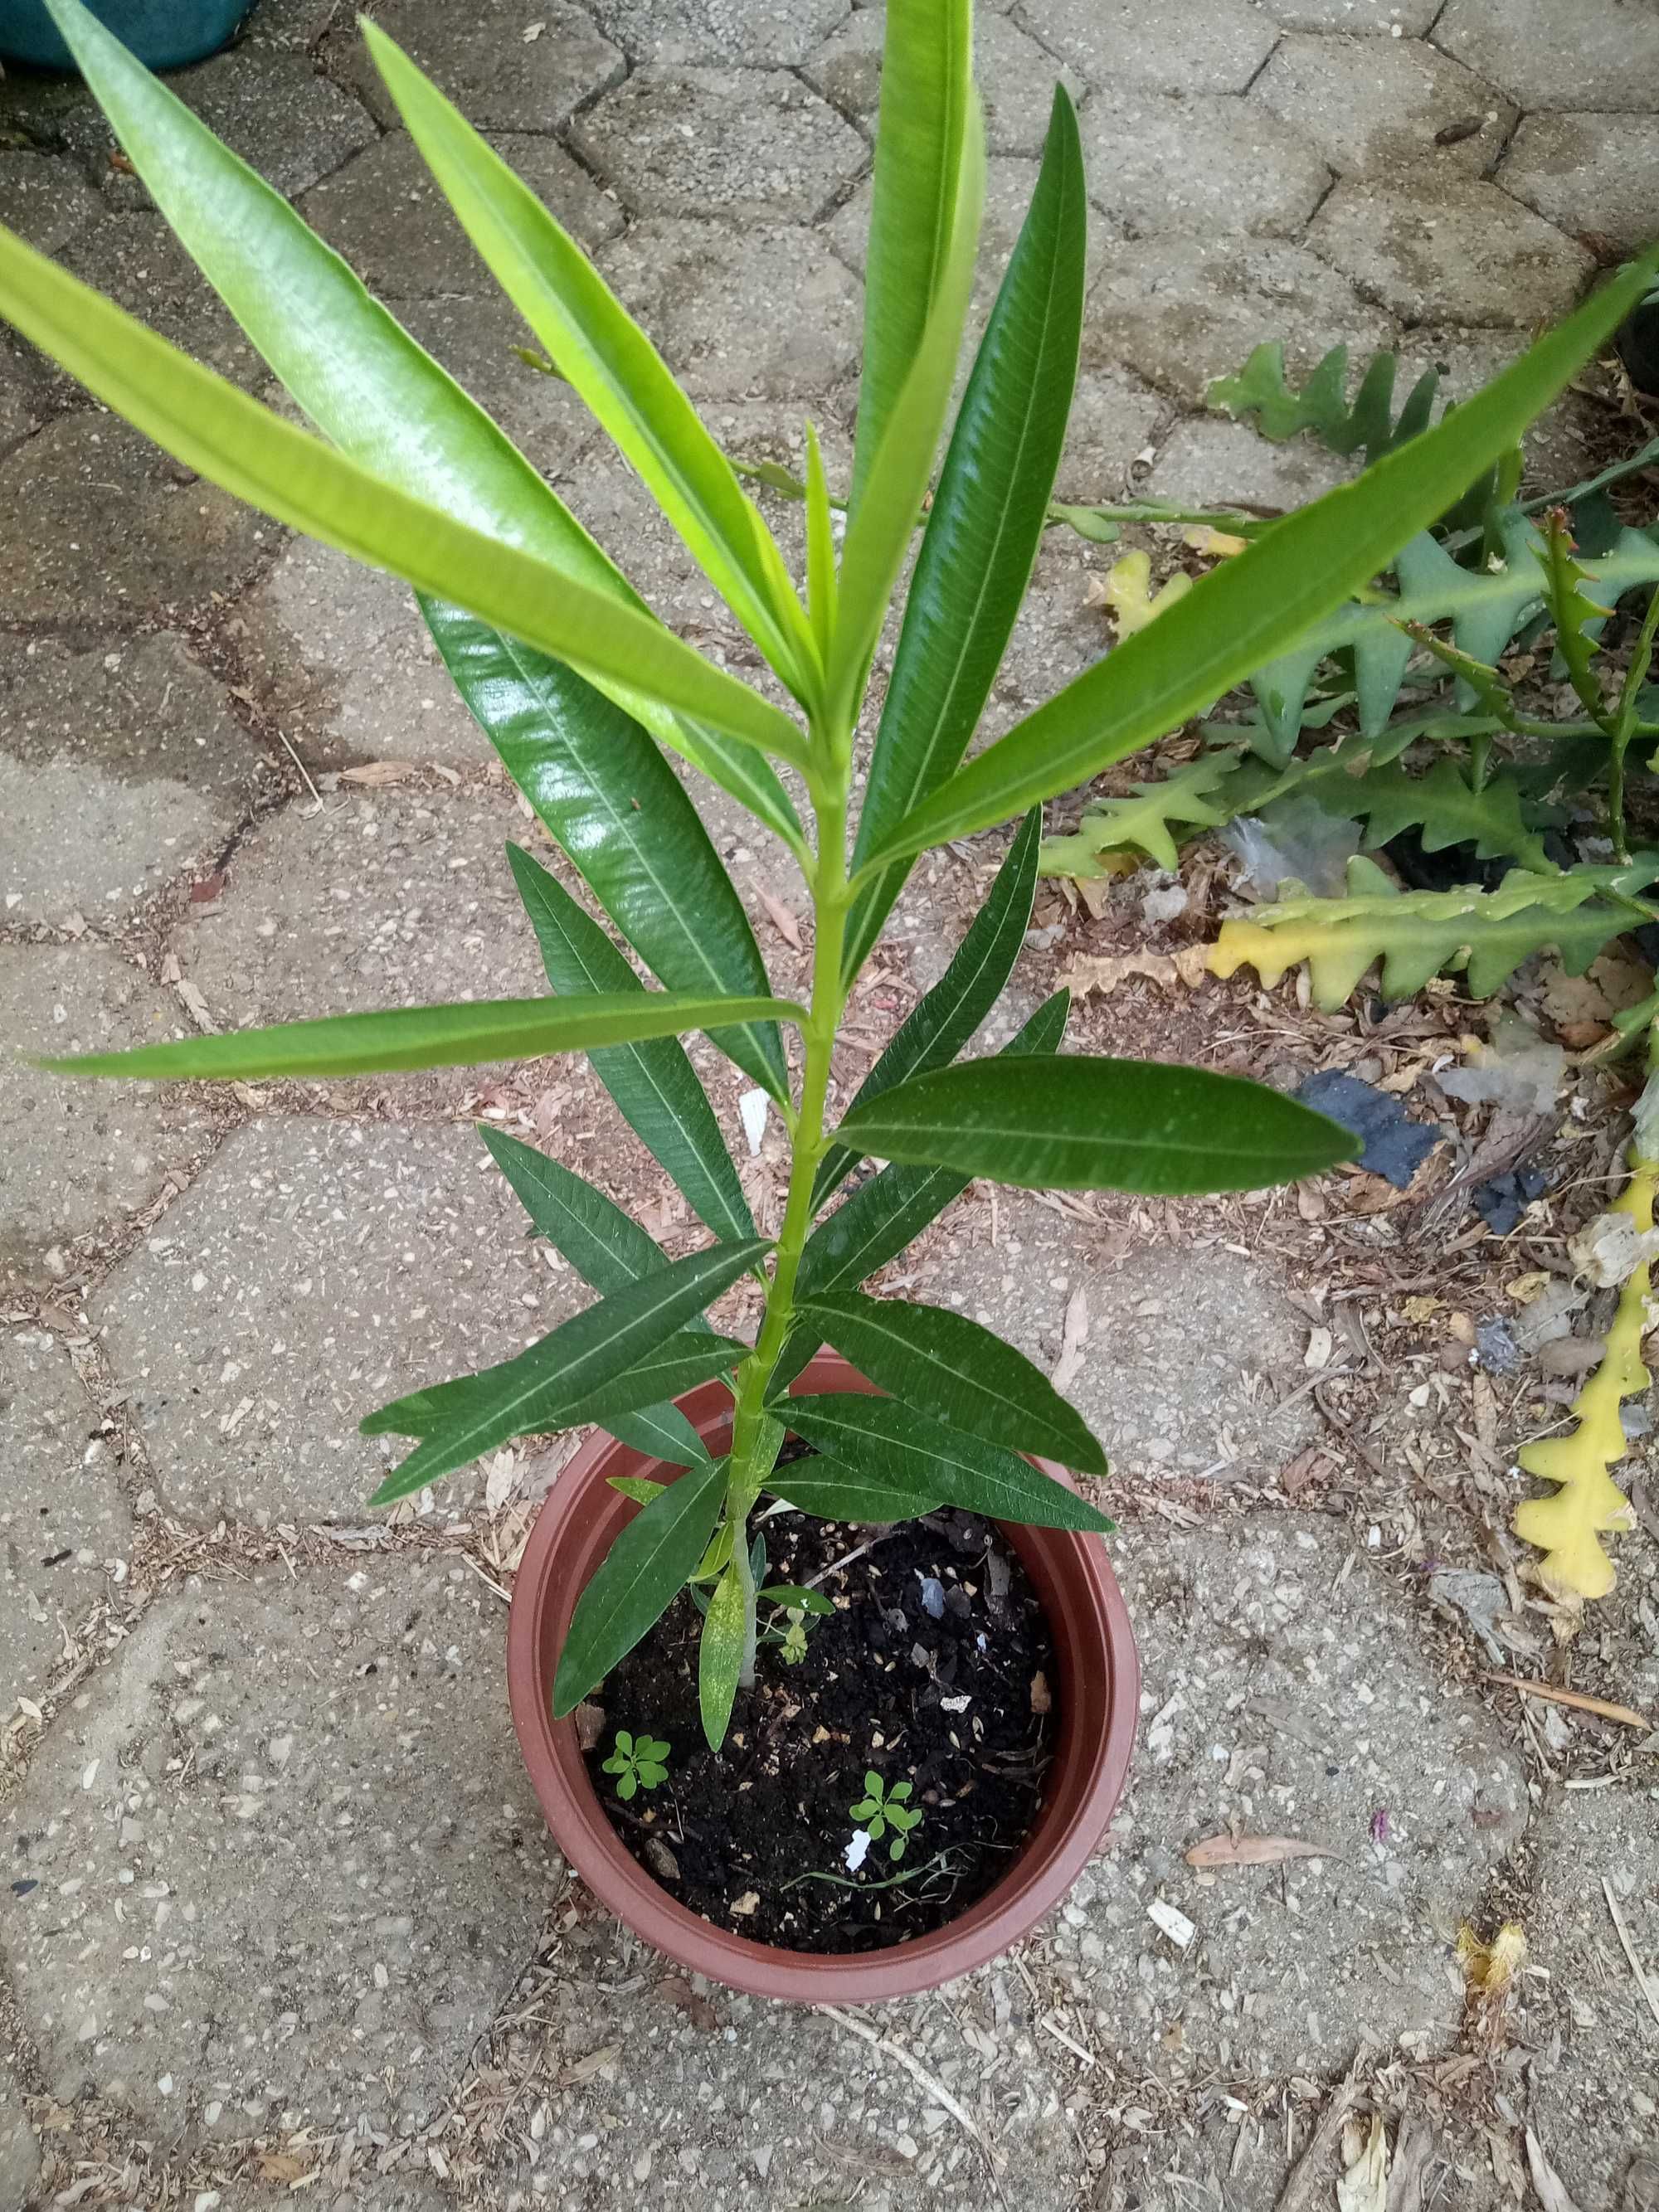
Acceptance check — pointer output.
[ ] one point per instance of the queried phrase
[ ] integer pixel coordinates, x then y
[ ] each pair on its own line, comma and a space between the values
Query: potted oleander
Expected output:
856, 1598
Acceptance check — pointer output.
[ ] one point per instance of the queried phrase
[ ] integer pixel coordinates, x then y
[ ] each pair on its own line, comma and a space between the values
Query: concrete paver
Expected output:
1514, 269
1017, 77
778, 32
43, 200
1590, 173
1203, 45
1202, 162
481, 59
1381, 106
1599, 54
137, 261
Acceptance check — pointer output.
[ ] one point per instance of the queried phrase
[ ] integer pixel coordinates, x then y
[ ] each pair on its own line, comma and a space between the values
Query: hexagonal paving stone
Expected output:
1017, 77
387, 217
64, 1522
1450, 249
96, 526
1210, 462
480, 57
273, 109
118, 769
26, 396
1597, 2042
1596, 54
45, 199
1202, 46
398, 898
79, 1156
1368, 18
1159, 161
1590, 173
754, 145
774, 31
1560, 445
1380, 105
1115, 419
137, 262
320, 1918
1182, 312
314, 1270
764, 312
1287, 1692
340, 655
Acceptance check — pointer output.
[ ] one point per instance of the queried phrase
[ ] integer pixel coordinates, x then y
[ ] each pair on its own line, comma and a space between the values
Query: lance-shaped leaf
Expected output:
1259, 604
639, 1578
952, 1367
621, 815
727, 1628
878, 1435
834, 1491
876, 1223
561, 1381
654, 1084
358, 374
596, 345
206, 422
661, 1432
927, 99
986, 521
1076, 1123
942, 1022
463, 1035
882, 520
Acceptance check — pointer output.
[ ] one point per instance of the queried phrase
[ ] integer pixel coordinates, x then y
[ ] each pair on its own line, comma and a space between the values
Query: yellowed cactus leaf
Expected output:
1567, 1527
1126, 590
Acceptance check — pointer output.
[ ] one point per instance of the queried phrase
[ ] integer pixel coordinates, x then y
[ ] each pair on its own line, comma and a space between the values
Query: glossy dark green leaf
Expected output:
950, 1367
942, 1022
878, 1434
727, 1628
465, 1035
660, 1432
654, 1084
876, 1223
985, 522
590, 1366
1250, 609
607, 358
623, 818
795, 1597
1084, 1124
640, 1487
926, 100
354, 369
605, 1246
638, 1581
824, 1486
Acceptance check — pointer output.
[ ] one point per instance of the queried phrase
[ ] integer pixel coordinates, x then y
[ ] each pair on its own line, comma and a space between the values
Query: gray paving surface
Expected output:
277, 1889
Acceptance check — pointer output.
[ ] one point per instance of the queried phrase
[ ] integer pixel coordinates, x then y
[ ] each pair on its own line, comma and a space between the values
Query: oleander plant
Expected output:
586, 694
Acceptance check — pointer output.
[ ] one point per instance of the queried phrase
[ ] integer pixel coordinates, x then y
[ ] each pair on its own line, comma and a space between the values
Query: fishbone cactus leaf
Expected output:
1568, 1526
1145, 821
1416, 934
1443, 804
1322, 406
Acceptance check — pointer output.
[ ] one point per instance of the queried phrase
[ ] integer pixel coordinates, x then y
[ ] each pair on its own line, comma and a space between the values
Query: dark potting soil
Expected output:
936, 1668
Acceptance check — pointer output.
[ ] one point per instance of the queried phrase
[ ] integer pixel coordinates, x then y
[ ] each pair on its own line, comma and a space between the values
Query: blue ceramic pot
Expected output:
165, 33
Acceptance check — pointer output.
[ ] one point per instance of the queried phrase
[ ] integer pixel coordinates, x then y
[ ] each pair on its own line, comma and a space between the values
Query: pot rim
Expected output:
1091, 1623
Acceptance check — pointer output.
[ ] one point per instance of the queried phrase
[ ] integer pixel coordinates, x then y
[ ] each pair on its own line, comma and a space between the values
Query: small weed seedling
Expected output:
638, 1763
881, 1808
801, 1609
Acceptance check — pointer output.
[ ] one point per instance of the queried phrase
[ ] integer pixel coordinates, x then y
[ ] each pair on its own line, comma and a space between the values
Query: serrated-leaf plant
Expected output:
585, 693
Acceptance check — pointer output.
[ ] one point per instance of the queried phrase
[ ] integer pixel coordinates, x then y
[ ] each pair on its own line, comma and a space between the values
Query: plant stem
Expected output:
830, 900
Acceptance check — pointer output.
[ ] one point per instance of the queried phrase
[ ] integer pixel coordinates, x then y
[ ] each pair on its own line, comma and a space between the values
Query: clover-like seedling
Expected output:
881, 1808
638, 1763
792, 1648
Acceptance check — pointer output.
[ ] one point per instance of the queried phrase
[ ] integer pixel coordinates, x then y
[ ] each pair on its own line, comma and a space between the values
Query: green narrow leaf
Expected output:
941, 1022
640, 1575
622, 817
603, 352
654, 1084
926, 97
951, 1366
795, 1596
876, 1434
1072, 1123
726, 1628
884, 1215
605, 1246
359, 375
462, 1036
661, 1432
561, 1381
882, 519
639, 1487
1256, 606
207, 423
821, 579
985, 522
824, 1488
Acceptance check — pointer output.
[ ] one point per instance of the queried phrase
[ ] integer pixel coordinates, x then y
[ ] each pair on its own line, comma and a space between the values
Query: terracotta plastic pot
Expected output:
1099, 1688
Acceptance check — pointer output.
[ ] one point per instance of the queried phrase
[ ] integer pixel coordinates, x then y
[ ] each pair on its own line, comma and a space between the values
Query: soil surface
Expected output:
936, 1668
